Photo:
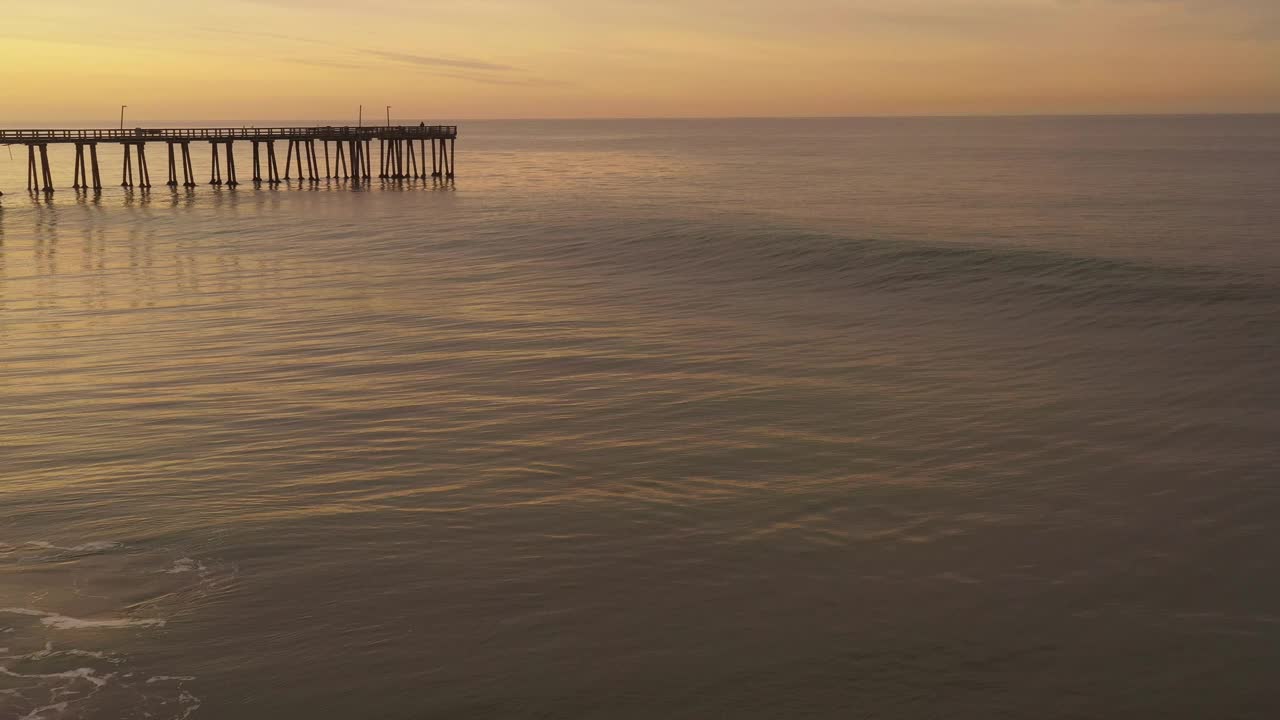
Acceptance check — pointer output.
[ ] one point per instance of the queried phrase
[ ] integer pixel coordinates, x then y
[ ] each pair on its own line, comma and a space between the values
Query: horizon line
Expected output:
889, 116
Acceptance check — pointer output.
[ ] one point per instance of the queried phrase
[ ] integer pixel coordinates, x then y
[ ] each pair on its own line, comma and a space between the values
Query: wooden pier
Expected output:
402, 153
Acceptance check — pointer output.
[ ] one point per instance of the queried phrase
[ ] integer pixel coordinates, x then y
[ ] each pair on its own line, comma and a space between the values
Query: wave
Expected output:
782, 257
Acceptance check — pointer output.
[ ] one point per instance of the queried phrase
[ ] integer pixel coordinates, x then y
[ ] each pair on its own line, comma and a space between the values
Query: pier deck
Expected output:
351, 159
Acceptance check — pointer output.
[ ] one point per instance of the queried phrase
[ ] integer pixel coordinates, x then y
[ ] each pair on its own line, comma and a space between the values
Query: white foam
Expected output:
88, 674
51, 679
48, 652
38, 713
22, 611
191, 701
169, 678
85, 653
95, 546
185, 565
63, 622
58, 684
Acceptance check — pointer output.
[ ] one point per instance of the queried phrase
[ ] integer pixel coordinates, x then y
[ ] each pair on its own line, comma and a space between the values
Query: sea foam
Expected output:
64, 622
95, 546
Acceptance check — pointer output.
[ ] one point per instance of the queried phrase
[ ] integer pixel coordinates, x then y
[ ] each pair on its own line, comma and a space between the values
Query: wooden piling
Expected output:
173, 167
313, 160
126, 179
144, 172
188, 170
232, 181
215, 172
32, 182
273, 167
75, 173
44, 166
93, 158
297, 154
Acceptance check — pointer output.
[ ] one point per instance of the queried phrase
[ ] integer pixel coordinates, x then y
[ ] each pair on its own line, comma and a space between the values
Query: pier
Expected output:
401, 150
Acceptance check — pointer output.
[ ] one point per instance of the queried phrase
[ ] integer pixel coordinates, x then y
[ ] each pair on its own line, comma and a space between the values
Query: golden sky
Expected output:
260, 60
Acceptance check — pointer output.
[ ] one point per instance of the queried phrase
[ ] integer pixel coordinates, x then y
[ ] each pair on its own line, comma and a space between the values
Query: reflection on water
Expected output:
617, 428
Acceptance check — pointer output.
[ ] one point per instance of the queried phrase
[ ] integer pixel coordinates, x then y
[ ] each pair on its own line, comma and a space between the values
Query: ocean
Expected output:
831, 418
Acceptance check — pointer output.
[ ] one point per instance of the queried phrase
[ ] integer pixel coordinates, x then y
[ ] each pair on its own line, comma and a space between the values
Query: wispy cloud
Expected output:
507, 81
237, 32
445, 62
333, 64
476, 71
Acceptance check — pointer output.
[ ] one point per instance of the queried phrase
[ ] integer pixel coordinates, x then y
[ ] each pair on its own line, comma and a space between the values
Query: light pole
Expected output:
388, 116
360, 121
122, 107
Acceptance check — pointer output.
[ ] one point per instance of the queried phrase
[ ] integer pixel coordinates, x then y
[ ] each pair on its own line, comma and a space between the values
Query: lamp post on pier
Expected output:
122, 107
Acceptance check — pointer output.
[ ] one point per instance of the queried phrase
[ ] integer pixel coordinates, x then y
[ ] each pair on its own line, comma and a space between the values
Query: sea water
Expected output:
894, 418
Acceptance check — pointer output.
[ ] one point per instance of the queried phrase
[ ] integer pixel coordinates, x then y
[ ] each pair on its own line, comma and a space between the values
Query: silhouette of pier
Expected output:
402, 153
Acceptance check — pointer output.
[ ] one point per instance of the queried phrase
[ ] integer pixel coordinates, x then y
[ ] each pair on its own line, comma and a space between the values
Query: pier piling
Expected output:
126, 171
45, 172
188, 170
93, 158
215, 171
144, 172
231, 164
79, 168
173, 167
273, 167
315, 161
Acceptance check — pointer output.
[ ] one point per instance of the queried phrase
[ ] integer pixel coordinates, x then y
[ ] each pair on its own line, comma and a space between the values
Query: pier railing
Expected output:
129, 135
